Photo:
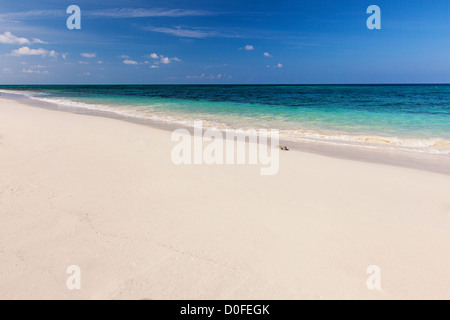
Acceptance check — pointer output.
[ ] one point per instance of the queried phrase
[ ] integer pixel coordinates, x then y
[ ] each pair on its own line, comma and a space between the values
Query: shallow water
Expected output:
409, 117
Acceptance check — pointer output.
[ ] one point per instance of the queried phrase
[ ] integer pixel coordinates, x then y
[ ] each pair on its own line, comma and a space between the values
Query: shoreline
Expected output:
103, 194
408, 159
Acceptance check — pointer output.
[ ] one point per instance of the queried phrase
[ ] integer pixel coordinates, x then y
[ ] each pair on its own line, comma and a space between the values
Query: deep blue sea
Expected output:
412, 117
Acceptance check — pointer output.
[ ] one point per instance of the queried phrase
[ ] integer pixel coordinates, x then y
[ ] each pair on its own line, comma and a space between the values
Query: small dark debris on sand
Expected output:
284, 148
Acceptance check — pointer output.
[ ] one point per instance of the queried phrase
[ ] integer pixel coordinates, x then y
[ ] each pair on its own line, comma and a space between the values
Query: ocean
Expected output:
413, 118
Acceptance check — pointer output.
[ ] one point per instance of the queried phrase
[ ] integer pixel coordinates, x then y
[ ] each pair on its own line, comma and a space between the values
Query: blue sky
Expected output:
221, 42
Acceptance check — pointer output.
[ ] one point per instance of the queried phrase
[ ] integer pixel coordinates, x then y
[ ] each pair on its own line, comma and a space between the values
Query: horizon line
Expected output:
235, 84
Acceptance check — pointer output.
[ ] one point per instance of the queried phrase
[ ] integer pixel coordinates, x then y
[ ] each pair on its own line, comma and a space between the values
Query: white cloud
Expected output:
268, 55
34, 71
131, 62
100, 62
165, 60
32, 14
36, 40
88, 55
83, 62
146, 13
9, 38
7, 70
279, 65
124, 56
154, 67
209, 77
198, 33
64, 55
26, 51
109, 13
249, 47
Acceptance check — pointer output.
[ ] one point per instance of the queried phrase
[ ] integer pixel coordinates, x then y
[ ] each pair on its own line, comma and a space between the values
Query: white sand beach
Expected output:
103, 194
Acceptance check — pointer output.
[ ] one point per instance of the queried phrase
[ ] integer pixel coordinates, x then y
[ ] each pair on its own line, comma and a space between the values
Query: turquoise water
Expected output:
413, 116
